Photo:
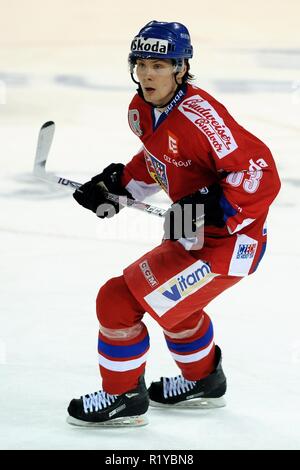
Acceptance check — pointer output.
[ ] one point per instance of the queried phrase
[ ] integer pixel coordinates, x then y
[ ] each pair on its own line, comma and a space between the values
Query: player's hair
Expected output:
187, 77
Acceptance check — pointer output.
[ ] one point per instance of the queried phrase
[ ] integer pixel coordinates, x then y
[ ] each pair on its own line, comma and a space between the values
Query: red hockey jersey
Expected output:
194, 144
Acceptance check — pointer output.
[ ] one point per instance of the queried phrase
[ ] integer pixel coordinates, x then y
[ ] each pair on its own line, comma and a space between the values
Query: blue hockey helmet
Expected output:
161, 40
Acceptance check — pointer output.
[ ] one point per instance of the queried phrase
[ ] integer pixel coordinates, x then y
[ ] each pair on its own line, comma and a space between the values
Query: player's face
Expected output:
157, 80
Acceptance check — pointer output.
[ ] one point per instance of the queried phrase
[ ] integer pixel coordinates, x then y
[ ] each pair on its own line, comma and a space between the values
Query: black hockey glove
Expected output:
183, 217
91, 195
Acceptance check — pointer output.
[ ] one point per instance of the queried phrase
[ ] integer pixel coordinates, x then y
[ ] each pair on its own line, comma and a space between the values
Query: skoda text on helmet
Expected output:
161, 40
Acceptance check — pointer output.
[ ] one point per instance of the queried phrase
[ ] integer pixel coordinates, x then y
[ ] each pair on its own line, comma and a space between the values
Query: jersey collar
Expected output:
173, 103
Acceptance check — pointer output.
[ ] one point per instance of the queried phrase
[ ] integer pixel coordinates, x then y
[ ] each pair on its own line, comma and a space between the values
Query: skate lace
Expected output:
97, 401
176, 386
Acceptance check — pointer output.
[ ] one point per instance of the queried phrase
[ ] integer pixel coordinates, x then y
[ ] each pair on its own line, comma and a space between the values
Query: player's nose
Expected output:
148, 73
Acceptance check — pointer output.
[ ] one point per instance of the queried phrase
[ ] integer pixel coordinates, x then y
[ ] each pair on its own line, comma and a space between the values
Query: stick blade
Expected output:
43, 147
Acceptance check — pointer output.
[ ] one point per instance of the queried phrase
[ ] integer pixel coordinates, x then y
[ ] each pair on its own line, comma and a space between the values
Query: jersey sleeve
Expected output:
137, 180
249, 191
251, 179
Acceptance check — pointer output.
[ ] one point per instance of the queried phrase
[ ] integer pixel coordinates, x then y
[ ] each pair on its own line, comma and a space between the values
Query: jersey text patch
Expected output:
208, 121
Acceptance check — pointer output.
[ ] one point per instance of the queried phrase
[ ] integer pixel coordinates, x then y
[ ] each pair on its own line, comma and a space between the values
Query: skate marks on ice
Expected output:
277, 58
27, 186
29, 80
242, 85
261, 58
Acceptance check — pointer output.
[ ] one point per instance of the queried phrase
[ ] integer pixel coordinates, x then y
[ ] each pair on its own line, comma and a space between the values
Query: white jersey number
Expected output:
255, 174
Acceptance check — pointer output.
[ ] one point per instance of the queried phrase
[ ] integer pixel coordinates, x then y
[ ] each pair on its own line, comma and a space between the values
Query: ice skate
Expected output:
177, 392
102, 409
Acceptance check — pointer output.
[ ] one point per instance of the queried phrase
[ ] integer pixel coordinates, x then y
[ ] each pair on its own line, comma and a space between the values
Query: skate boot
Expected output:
177, 392
103, 409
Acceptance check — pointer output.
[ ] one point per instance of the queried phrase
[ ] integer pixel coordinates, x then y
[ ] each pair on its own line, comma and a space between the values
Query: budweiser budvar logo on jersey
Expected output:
208, 121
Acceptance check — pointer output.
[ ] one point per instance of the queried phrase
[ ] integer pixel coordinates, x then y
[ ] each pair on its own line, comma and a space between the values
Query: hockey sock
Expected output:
193, 354
122, 362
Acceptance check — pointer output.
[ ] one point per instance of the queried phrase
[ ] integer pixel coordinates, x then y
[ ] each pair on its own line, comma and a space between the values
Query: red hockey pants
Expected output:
173, 286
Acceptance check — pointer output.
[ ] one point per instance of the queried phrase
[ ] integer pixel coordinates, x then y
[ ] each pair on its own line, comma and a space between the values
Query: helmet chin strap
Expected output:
133, 79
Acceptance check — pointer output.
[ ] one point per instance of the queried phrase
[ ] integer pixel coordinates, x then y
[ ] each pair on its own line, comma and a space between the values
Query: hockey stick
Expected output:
39, 170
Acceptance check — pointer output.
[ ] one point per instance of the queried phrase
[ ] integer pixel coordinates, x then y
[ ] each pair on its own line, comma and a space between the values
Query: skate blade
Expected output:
127, 421
202, 403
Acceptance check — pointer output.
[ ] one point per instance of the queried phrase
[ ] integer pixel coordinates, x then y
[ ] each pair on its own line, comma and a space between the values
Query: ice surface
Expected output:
67, 62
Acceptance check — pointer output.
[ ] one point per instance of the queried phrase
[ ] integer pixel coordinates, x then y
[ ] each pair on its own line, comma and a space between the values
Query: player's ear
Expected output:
180, 75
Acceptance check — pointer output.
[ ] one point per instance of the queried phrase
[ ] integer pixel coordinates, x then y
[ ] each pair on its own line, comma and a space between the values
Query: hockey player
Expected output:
198, 154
